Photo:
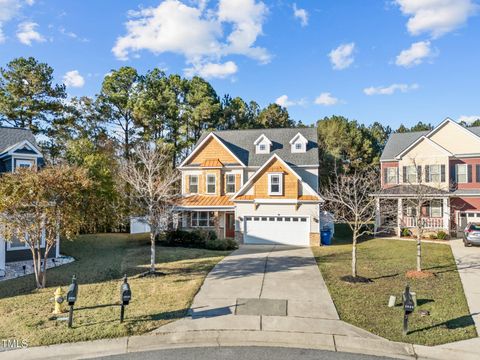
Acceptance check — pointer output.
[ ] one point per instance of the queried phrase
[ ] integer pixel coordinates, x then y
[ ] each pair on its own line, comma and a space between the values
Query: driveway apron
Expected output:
270, 288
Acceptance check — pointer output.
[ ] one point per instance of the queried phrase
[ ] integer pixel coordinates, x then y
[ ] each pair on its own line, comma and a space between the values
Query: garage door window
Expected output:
275, 184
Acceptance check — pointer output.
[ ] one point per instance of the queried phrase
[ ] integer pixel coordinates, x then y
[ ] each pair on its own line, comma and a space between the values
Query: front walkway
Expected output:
266, 288
468, 264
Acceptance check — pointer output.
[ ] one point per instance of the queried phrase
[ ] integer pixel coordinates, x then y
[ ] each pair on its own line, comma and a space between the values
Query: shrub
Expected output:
200, 238
183, 238
405, 233
442, 235
433, 237
221, 244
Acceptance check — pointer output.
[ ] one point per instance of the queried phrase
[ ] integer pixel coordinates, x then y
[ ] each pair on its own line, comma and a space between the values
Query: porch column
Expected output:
2, 257
399, 217
217, 223
377, 216
446, 215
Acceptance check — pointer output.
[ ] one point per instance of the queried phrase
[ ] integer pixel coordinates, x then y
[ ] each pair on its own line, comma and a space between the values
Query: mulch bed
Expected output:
356, 279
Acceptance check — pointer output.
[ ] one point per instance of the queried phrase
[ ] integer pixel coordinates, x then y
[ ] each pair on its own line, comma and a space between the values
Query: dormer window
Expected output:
299, 144
262, 145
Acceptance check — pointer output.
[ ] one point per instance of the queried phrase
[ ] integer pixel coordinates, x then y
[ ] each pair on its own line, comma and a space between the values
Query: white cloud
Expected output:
27, 33
415, 54
30, 2
389, 90
73, 79
284, 101
342, 57
300, 14
436, 17
468, 118
213, 70
326, 99
8, 9
197, 32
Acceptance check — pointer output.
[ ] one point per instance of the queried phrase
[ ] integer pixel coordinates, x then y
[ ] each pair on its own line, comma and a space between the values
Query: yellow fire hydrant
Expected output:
59, 301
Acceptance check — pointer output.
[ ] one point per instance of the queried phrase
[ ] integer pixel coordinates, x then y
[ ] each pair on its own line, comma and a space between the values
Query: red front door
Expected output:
229, 225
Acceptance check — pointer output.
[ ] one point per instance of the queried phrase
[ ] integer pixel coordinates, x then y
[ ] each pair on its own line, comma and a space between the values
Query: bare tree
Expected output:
348, 198
152, 180
419, 197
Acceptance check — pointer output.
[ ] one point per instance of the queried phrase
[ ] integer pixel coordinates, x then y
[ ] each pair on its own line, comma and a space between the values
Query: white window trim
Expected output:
214, 183
412, 173
25, 245
440, 207
200, 226
302, 149
457, 166
395, 170
190, 184
264, 151
230, 183
280, 184
430, 173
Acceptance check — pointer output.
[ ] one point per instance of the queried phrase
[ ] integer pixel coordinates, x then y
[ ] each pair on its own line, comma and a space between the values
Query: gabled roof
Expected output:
261, 138
399, 142
9, 137
254, 177
418, 141
203, 140
298, 136
241, 143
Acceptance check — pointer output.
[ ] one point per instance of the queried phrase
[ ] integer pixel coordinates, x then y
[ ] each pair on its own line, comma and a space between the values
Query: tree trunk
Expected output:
152, 252
354, 254
419, 252
36, 270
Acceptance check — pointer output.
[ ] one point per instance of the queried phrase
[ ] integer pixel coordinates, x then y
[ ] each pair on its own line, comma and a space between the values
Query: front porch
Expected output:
428, 213
202, 212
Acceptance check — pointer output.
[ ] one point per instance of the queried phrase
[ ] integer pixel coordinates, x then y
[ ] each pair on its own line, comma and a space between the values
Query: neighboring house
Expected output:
445, 163
18, 149
257, 186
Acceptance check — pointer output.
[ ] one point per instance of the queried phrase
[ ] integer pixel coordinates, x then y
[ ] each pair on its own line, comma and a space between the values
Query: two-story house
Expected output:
18, 149
441, 166
257, 186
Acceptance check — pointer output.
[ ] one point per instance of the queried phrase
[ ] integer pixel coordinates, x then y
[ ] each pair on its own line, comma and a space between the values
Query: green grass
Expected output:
386, 261
102, 260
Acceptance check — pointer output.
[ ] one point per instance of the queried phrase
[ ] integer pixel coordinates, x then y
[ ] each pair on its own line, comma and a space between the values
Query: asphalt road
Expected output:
242, 353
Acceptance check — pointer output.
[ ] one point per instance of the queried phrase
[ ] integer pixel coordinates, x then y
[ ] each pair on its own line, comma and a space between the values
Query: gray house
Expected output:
18, 149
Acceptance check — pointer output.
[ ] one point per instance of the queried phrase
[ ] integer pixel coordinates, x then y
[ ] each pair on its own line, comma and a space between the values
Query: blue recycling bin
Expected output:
326, 237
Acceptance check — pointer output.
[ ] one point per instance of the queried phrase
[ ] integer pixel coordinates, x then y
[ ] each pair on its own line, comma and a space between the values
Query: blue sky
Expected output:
393, 61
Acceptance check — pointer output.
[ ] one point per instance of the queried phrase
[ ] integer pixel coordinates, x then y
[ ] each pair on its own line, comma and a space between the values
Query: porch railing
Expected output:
428, 223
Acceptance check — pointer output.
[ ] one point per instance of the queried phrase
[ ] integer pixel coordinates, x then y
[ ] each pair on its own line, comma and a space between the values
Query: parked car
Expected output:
471, 235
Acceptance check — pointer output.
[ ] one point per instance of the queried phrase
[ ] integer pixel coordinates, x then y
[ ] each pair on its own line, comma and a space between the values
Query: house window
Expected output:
23, 164
412, 176
275, 184
436, 208
203, 219
392, 177
230, 183
298, 146
462, 173
262, 147
211, 184
193, 184
434, 173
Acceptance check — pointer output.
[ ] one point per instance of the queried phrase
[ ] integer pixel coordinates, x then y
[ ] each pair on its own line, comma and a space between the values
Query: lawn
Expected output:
102, 260
386, 261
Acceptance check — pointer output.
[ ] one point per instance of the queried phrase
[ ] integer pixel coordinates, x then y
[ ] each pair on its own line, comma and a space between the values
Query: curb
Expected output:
216, 338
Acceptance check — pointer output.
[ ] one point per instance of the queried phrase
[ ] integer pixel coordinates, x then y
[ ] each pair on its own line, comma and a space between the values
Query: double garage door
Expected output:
286, 230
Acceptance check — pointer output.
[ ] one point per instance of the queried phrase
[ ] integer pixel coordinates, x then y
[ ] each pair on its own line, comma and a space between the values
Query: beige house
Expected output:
441, 166
258, 186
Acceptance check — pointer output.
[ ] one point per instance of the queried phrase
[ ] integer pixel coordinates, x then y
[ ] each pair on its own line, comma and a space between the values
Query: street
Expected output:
242, 353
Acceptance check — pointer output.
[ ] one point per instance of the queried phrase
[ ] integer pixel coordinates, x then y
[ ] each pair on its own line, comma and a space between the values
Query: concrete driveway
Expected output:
266, 288
468, 264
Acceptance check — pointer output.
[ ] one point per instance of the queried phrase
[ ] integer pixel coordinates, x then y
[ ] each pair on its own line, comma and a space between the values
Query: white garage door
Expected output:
287, 230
